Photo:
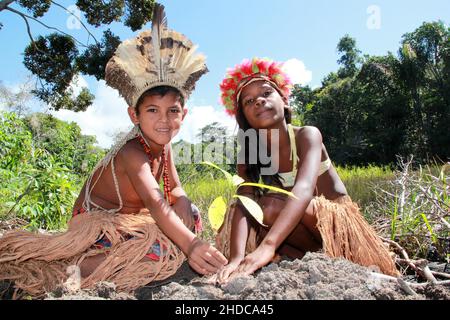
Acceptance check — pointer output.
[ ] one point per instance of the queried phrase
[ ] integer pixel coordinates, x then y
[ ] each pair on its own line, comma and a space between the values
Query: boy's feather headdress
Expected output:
154, 58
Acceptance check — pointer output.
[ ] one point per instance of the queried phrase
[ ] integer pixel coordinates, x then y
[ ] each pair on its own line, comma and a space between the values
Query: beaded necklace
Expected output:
166, 181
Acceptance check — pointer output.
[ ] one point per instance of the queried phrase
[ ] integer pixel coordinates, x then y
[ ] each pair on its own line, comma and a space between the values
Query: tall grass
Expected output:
416, 210
358, 181
361, 184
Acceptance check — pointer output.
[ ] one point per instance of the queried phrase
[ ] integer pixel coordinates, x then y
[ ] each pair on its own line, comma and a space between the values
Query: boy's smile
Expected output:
159, 117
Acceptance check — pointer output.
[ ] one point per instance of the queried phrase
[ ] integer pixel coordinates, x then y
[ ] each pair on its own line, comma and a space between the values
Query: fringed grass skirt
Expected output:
344, 231
39, 263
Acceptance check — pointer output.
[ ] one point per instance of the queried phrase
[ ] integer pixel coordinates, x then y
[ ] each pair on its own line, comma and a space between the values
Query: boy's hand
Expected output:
183, 209
204, 258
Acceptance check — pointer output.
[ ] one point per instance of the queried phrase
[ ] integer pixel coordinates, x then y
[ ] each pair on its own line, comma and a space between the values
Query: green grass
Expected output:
358, 181
361, 183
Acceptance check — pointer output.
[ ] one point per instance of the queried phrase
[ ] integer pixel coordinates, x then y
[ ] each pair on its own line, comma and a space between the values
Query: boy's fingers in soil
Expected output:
198, 268
214, 259
218, 255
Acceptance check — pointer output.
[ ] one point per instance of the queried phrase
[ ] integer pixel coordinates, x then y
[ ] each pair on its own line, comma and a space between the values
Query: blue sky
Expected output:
227, 32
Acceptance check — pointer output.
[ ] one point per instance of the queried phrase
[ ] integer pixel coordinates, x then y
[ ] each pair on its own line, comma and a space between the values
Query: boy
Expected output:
123, 230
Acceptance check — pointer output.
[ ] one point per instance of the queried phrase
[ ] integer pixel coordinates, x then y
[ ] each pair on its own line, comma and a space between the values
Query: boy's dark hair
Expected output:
160, 91
253, 171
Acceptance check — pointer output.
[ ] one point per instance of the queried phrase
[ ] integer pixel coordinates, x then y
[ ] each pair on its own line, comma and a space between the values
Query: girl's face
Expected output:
262, 105
159, 117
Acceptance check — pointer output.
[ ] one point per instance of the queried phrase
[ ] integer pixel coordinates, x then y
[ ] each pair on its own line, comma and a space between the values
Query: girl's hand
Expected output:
263, 255
204, 258
224, 274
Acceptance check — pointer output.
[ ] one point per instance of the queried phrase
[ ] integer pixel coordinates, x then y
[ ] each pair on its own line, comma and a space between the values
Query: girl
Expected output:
321, 215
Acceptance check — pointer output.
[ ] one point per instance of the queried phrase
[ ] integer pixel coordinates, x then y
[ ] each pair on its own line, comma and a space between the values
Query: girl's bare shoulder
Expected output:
307, 134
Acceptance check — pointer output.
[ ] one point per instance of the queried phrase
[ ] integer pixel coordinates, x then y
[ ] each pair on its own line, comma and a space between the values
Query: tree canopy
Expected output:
377, 107
58, 57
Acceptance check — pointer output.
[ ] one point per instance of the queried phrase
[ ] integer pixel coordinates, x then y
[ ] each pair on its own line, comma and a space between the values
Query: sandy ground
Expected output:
315, 277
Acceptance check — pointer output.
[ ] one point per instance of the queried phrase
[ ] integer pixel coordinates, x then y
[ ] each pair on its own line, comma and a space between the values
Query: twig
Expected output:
30, 35
420, 266
399, 247
441, 274
445, 223
429, 195
426, 271
84, 26
48, 27
406, 287
385, 277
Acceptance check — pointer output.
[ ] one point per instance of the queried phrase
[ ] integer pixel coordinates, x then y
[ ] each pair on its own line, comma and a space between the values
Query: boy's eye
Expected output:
152, 110
175, 110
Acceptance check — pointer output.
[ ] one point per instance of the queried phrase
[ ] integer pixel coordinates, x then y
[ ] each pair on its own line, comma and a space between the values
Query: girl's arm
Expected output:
309, 142
239, 224
202, 257
239, 232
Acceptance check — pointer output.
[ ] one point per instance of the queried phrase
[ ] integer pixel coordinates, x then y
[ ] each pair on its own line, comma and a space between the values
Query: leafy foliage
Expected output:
43, 164
377, 107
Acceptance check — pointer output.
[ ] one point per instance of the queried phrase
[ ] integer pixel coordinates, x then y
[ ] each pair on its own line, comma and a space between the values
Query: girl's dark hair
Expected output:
159, 91
253, 171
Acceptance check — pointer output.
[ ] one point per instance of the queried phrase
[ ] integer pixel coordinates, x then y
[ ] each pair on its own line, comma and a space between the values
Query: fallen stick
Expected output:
385, 277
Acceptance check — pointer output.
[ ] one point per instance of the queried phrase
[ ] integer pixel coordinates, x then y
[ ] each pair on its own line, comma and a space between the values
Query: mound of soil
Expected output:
315, 277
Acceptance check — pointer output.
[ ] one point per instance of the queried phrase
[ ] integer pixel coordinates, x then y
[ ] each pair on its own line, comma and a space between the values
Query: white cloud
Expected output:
78, 83
104, 118
200, 116
297, 71
108, 116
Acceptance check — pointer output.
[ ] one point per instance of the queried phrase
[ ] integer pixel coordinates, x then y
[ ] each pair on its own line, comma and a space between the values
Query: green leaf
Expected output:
433, 235
216, 212
253, 208
260, 185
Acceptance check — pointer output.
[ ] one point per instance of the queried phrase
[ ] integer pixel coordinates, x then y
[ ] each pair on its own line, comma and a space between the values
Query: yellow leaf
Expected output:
253, 208
260, 185
216, 212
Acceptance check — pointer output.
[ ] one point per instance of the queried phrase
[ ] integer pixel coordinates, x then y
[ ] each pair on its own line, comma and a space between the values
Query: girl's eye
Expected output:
248, 102
267, 93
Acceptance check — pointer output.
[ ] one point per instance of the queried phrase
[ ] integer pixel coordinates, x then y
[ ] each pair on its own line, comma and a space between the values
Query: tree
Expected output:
423, 59
56, 58
377, 107
17, 102
349, 56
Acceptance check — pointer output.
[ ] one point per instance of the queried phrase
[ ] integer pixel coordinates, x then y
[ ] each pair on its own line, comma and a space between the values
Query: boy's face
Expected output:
159, 117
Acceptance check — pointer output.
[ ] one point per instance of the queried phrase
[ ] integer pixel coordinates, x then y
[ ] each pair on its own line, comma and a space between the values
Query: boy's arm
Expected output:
180, 201
204, 258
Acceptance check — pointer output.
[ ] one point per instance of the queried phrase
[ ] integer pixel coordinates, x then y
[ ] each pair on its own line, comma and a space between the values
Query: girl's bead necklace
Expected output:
166, 181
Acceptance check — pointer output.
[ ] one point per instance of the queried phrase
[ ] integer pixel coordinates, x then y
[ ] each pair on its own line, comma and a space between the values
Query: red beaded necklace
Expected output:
166, 180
